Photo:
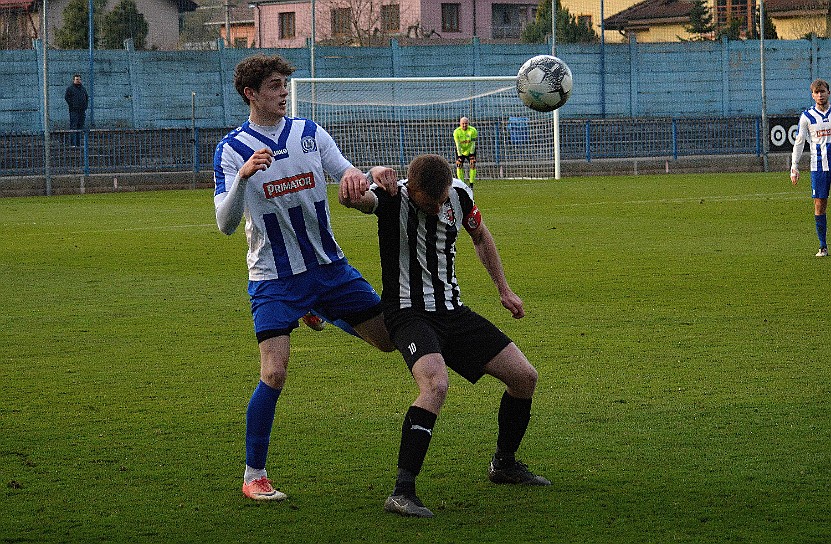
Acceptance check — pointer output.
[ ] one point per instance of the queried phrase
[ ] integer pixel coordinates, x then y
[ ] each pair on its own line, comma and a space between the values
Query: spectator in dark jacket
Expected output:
76, 99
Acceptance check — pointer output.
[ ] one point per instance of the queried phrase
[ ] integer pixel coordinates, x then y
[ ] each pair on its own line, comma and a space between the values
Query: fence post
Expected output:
223, 81
674, 140
86, 152
759, 136
194, 137
134, 85
395, 57
496, 149
633, 75
725, 73
588, 141
813, 44
477, 52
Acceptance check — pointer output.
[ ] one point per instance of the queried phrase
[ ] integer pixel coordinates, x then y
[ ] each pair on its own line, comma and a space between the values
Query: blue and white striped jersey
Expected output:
285, 206
815, 128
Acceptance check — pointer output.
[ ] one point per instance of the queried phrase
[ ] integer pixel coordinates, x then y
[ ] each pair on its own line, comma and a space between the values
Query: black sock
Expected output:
416, 433
405, 483
514, 415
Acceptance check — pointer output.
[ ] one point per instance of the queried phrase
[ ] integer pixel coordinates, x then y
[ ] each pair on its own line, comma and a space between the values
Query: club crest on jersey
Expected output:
309, 144
293, 184
449, 216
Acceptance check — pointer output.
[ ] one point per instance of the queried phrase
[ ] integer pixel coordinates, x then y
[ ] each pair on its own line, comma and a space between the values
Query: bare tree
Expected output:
828, 20
363, 22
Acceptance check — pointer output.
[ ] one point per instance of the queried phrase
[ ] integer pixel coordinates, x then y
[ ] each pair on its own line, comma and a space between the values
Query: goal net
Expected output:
388, 121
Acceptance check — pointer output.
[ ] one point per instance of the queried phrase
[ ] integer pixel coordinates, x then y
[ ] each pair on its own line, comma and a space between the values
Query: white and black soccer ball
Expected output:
544, 83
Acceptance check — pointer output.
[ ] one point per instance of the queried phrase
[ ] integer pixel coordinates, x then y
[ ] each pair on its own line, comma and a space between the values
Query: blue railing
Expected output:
185, 149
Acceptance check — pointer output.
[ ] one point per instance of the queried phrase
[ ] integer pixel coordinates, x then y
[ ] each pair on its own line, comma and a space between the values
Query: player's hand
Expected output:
386, 178
513, 304
353, 185
794, 175
257, 162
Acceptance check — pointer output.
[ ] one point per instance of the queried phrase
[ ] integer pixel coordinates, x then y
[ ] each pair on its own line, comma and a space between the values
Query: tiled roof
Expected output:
674, 11
19, 4
650, 11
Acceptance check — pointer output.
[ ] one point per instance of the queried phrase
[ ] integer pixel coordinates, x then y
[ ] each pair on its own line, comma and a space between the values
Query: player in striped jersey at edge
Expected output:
271, 171
433, 330
815, 128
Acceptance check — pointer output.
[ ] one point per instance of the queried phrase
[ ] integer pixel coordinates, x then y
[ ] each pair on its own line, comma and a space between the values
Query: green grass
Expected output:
679, 325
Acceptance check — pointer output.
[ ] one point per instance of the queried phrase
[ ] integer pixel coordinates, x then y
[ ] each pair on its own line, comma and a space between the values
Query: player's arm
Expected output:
354, 192
457, 139
473, 139
798, 148
365, 203
489, 257
230, 205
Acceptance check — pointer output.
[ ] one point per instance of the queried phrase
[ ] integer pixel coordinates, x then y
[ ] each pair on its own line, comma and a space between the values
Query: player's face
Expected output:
268, 103
820, 96
425, 202
463, 123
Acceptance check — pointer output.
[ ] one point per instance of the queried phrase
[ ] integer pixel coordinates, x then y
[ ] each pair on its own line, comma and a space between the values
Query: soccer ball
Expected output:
544, 83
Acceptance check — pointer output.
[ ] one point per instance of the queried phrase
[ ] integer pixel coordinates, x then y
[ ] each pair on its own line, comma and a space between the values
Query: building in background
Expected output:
588, 12
366, 22
665, 20
18, 24
240, 19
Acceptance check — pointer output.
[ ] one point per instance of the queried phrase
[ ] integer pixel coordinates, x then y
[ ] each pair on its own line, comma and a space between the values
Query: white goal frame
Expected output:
390, 120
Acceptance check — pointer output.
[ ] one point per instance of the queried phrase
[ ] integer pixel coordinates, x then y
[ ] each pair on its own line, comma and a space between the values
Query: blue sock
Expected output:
258, 421
822, 228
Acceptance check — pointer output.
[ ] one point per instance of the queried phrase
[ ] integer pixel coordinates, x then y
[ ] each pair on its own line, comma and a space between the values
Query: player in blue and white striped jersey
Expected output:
432, 328
271, 171
815, 128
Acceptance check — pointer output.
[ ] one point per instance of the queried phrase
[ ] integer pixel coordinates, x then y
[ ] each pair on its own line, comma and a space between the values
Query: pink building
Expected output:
281, 23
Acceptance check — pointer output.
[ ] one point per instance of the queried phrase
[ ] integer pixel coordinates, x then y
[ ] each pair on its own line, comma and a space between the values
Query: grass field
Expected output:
679, 325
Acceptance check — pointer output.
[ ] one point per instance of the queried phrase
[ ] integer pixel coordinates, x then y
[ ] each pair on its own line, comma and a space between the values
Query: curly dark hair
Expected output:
252, 71
431, 174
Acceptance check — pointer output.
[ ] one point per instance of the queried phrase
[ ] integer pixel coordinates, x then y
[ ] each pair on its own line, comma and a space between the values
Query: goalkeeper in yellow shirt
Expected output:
465, 138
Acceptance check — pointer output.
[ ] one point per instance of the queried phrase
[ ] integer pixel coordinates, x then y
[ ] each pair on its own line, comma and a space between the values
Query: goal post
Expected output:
388, 121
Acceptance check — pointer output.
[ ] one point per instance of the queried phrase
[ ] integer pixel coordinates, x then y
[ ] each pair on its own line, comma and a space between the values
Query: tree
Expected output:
569, 30
701, 21
828, 20
770, 28
74, 34
362, 22
123, 22
196, 32
732, 30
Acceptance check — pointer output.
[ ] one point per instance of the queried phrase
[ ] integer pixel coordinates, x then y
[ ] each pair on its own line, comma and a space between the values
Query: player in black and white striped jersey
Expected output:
432, 328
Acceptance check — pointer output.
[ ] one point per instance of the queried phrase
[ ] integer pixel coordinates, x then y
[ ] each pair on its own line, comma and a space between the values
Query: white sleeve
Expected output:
799, 142
230, 207
334, 163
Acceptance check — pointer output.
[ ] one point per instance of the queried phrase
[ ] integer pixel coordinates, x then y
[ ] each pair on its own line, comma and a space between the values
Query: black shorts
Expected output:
466, 340
466, 158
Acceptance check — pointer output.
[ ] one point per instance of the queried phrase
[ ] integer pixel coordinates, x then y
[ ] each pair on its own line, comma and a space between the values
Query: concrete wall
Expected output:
152, 89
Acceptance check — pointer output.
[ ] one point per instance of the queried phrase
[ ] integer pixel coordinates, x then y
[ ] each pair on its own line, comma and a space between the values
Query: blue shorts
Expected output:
338, 290
820, 184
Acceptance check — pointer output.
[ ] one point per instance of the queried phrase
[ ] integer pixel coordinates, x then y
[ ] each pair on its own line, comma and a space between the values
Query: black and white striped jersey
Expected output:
418, 250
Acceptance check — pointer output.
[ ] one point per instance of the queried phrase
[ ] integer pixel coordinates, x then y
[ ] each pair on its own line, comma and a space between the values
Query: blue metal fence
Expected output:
184, 150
